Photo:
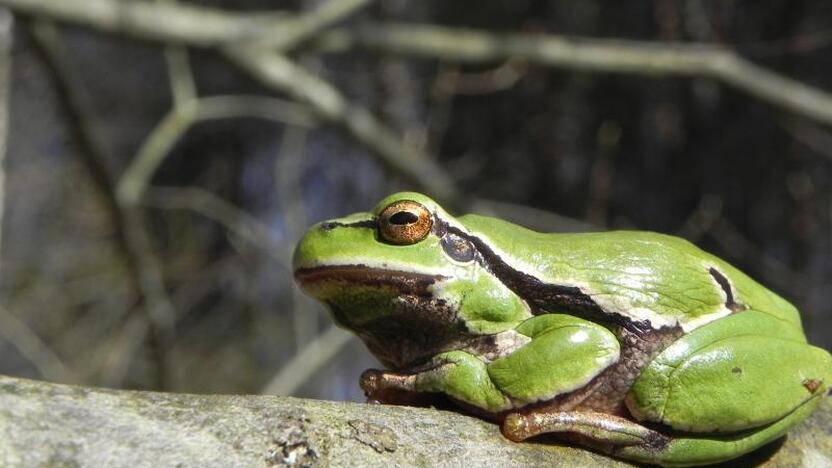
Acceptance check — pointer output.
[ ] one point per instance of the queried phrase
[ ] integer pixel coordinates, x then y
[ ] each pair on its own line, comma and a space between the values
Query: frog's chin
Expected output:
405, 339
394, 312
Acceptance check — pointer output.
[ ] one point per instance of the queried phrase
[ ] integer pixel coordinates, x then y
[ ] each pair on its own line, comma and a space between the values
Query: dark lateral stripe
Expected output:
367, 223
546, 296
723, 282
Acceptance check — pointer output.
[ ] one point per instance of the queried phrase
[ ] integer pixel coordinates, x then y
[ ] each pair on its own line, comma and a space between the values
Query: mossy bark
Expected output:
45, 424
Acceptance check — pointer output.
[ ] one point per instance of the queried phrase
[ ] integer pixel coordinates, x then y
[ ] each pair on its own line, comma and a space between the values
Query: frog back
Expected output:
643, 276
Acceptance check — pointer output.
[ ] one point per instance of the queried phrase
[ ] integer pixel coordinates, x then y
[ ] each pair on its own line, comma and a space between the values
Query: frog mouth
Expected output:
394, 312
404, 281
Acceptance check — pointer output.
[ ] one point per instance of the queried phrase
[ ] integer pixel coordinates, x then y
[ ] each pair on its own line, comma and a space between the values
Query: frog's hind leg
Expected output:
729, 387
693, 450
718, 392
599, 429
741, 372
625, 438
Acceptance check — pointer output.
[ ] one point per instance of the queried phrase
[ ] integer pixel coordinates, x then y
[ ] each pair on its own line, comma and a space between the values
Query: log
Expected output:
47, 424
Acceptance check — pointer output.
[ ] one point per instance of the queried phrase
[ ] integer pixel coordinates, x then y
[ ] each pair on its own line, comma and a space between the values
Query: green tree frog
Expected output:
633, 343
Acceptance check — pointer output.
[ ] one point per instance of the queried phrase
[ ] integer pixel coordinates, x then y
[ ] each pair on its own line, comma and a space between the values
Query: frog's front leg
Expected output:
563, 353
457, 374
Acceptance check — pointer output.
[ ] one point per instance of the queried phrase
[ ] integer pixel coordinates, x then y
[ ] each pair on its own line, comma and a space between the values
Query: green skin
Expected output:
634, 343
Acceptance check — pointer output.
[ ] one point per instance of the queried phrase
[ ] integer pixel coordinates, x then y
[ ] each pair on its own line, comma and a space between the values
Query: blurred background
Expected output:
163, 158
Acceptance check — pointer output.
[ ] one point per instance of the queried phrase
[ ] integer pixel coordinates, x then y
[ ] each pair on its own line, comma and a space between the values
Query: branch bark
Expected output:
278, 72
146, 277
44, 424
179, 24
206, 27
594, 55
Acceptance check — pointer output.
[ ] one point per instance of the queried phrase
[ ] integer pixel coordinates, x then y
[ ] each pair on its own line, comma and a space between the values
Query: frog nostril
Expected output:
404, 217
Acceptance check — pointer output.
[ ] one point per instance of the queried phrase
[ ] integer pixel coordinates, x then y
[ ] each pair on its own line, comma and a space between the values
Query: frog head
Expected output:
406, 279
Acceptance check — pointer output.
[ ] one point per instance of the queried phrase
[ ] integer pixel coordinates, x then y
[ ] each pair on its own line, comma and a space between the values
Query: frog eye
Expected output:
404, 222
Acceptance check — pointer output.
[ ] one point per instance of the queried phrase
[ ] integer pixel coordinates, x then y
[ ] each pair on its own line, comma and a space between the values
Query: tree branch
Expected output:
205, 27
155, 148
234, 219
191, 25
305, 364
33, 348
595, 55
146, 276
167, 22
44, 424
279, 72
6, 37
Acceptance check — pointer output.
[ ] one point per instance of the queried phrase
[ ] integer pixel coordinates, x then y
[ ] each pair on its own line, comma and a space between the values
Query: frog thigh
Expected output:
743, 371
564, 353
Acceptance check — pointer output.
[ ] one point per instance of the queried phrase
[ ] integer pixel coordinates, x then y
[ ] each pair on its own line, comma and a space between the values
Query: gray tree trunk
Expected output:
45, 424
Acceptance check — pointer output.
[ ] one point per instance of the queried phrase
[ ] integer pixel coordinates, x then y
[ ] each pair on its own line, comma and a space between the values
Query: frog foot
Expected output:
391, 388
598, 427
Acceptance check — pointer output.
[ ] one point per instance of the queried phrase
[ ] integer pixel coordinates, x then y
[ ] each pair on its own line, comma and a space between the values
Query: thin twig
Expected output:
774, 270
6, 23
816, 139
287, 184
180, 75
189, 109
279, 72
153, 151
596, 55
223, 212
306, 363
187, 24
204, 27
113, 357
177, 24
708, 220
602, 174
12, 329
182, 82
131, 236
504, 76
157, 145
702, 219
139, 19
33, 348
307, 25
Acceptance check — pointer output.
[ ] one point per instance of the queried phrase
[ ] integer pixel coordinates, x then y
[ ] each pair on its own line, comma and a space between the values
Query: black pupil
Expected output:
403, 217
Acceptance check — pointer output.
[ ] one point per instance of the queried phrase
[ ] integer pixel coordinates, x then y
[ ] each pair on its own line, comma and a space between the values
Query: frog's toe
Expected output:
516, 427
599, 428
370, 381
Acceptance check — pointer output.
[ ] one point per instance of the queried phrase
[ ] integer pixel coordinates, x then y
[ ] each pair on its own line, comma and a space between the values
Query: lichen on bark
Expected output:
45, 424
